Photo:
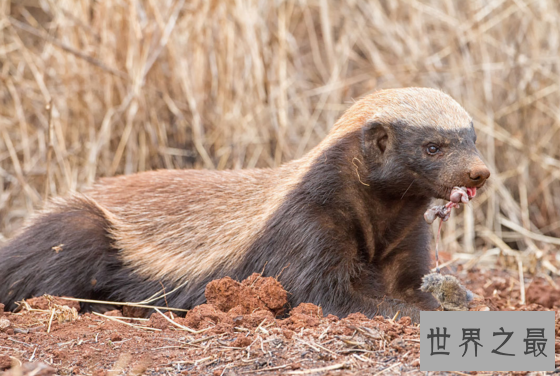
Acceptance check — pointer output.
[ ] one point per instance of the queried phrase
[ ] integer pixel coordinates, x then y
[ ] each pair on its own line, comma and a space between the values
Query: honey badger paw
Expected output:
448, 291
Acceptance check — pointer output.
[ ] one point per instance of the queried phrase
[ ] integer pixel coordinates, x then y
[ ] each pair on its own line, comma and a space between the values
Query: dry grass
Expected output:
137, 85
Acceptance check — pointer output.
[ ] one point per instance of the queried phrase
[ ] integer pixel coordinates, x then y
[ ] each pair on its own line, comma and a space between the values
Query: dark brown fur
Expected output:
342, 227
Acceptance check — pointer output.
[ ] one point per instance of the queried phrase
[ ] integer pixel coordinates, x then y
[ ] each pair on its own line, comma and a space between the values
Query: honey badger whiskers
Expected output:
342, 227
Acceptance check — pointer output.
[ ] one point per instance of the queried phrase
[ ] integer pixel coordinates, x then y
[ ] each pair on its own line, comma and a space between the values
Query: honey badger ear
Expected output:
375, 139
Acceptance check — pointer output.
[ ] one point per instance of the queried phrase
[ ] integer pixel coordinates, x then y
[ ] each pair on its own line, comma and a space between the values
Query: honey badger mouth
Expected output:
456, 194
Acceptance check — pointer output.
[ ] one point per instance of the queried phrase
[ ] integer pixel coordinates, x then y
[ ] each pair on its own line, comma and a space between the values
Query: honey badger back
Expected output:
342, 226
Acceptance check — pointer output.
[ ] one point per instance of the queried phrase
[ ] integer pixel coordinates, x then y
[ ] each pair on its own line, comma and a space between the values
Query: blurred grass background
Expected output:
139, 85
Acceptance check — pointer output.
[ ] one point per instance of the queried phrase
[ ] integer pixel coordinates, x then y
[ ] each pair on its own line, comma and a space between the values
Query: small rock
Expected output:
288, 333
5, 324
241, 341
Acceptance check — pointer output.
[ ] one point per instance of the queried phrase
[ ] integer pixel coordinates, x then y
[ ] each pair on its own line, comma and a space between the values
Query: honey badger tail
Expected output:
65, 251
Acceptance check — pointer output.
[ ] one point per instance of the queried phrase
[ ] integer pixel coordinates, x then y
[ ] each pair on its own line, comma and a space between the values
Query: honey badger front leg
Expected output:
386, 285
402, 268
435, 291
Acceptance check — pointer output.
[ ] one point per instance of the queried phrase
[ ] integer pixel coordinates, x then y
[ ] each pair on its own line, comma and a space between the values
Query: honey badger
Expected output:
342, 227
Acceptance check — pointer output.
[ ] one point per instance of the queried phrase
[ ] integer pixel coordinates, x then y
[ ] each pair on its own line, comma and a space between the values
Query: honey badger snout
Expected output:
470, 172
477, 174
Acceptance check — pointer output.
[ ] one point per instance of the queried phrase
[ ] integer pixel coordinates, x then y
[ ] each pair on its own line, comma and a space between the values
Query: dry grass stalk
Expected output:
182, 327
321, 369
126, 304
140, 85
127, 323
50, 320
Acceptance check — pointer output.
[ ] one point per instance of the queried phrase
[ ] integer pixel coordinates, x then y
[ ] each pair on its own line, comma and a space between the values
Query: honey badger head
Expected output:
419, 142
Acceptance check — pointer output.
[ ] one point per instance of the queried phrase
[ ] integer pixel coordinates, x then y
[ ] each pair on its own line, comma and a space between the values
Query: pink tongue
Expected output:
471, 192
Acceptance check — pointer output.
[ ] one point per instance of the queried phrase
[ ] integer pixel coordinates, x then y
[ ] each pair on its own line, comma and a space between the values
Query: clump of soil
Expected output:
159, 322
254, 293
305, 315
45, 303
233, 304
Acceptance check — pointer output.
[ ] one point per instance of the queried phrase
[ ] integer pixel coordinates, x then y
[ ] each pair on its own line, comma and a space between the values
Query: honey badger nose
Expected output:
479, 173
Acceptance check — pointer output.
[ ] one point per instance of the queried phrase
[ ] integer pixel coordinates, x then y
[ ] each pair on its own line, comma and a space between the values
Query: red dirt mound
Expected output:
255, 292
233, 304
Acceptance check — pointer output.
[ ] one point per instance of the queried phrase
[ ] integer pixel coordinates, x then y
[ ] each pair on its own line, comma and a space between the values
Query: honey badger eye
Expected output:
432, 150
